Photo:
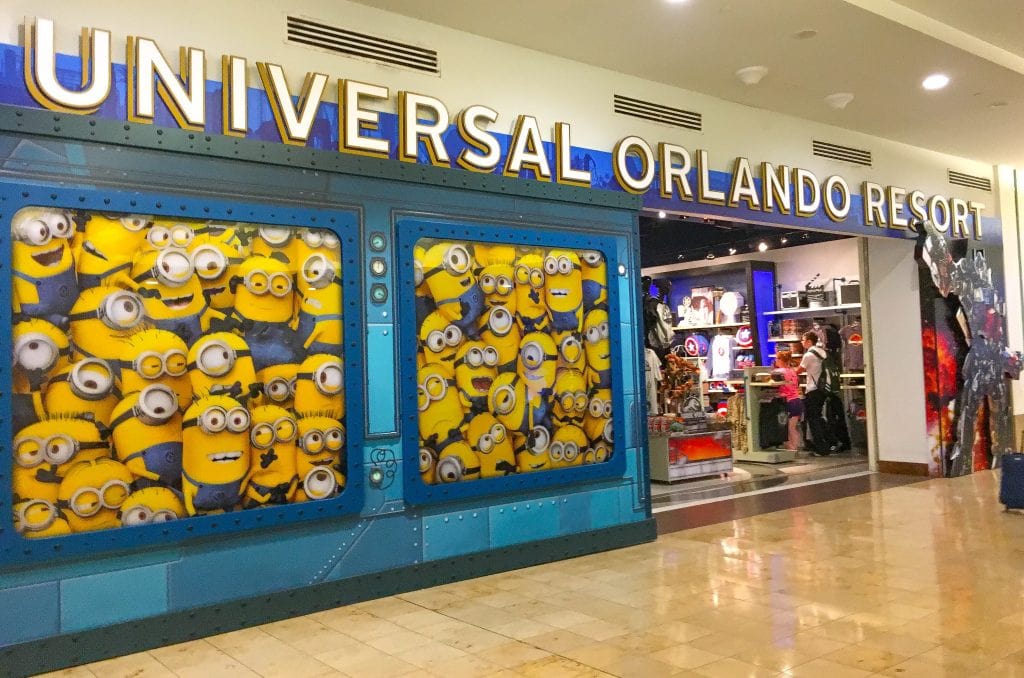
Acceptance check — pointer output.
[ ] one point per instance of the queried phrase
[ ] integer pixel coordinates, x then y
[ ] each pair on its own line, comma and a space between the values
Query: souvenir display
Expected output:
514, 369
167, 368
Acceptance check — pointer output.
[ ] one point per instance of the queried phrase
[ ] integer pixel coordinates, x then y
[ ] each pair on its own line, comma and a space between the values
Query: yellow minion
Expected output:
447, 272
320, 386
531, 449
319, 320
570, 398
38, 519
424, 302
106, 247
216, 262
502, 333
272, 438
156, 356
476, 366
146, 432
492, 444
428, 465
40, 350
85, 389
567, 446
598, 453
563, 290
92, 493
531, 311
164, 234
277, 385
598, 349
597, 422
320, 461
220, 363
45, 451
571, 355
264, 304
489, 254
102, 320
441, 414
44, 281
151, 505
215, 454
594, 280
310, 241
440, 339
274, 241
537, 364
172, 294
498, 288
457, 462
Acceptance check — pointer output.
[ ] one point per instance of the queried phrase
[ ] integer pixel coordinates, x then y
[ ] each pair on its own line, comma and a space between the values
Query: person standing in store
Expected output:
789, 388
814, 397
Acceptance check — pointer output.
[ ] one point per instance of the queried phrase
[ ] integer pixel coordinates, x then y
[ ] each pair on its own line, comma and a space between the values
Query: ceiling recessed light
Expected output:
709, 255
732, 250
839, 100
784, 241
751, 75
935, 81
762, 246
805, 34
661, 214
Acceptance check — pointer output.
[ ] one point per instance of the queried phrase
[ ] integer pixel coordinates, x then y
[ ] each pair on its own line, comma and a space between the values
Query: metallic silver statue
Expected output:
989, 362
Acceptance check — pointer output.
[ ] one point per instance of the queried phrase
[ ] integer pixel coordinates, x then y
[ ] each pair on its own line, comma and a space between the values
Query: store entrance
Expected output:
755, 358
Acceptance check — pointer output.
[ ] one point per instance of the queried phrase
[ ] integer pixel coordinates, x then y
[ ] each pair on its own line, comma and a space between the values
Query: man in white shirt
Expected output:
814, 398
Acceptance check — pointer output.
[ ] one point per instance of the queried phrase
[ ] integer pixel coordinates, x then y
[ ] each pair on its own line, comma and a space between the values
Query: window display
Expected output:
166, 368
513, 357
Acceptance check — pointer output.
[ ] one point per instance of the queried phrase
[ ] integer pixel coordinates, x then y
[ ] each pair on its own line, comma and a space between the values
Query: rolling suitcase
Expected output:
1011, 484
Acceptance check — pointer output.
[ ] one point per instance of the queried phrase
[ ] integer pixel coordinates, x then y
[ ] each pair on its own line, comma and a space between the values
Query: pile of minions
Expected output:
163, 369
514, 360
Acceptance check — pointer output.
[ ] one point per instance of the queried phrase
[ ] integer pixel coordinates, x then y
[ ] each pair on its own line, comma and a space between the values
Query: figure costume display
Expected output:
514, 359
169, 368
989, 363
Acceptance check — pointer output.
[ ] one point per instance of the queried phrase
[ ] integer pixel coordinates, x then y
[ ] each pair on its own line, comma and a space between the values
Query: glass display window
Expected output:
168, 368
514, 369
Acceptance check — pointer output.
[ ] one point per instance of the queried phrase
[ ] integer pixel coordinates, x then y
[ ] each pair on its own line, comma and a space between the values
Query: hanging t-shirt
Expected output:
721, 356
853, 347
653, 374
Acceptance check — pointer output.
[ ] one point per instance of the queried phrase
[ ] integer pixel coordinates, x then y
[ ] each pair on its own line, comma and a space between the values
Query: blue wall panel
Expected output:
380, 393
211, 574
604, 508
29, 612
384, 541
574, 513
452, 534
112, 597
525, 521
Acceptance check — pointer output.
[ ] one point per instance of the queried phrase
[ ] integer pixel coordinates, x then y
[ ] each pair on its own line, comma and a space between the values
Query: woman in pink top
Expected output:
790, 390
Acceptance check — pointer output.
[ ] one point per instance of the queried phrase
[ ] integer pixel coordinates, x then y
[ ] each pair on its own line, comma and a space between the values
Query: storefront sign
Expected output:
424, 130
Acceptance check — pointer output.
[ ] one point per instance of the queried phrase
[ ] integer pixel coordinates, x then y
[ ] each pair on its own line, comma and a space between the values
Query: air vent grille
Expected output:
857, 156
343, 41
666, 115
969, 180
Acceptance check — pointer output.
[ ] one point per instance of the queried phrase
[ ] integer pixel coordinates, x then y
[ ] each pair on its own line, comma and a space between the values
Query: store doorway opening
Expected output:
755, 355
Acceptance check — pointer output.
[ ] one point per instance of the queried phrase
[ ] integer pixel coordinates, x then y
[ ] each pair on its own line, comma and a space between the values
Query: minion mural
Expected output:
157, 362
492, 407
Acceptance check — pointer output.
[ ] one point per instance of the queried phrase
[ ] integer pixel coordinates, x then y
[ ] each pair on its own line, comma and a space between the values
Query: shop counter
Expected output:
681, 455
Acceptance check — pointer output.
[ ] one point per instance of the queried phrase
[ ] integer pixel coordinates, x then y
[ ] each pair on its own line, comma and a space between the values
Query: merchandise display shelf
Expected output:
777, 340
842, 308
681, 328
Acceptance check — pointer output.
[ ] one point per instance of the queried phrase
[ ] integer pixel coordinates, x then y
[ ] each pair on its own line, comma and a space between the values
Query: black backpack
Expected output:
828, 380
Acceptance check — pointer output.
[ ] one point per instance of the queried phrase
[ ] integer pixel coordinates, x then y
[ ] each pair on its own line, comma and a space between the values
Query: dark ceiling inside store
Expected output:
685, 238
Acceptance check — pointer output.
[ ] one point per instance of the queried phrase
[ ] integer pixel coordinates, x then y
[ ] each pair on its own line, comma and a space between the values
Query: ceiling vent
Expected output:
350, 43
856, 156
969, 180
666, 115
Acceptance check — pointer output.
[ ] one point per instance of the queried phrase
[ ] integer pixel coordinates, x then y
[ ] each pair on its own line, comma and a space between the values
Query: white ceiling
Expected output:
879, 50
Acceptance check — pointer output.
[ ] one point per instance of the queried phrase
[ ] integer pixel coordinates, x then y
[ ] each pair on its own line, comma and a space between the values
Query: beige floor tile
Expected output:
773, 658
559, 641
513, 653
685, 656
870, 659
432, 656
199, 658
733, 668
918, 668
552, 667
73, 672
823, 668
141, 665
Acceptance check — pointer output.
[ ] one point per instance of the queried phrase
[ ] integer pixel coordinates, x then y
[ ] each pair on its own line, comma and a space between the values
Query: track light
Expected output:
732, 250
661, 214
784, 241
709, 255
762, 246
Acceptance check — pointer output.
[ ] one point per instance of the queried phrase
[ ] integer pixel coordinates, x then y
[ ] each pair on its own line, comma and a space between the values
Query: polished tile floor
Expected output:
924, 579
